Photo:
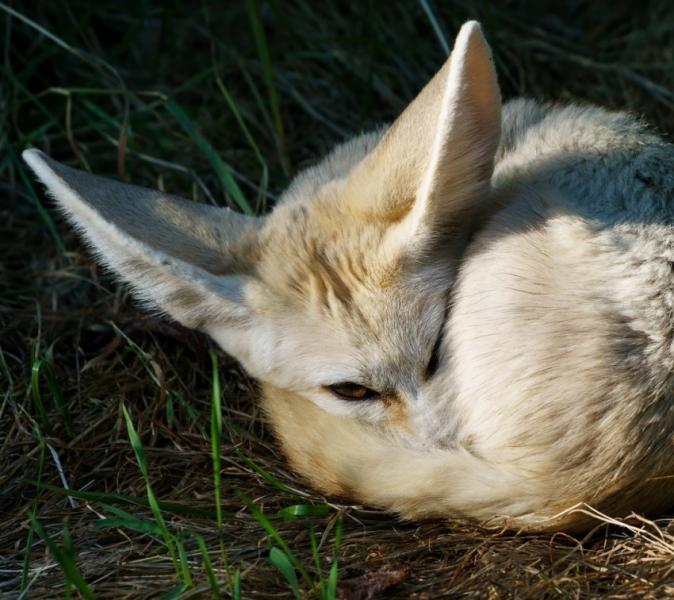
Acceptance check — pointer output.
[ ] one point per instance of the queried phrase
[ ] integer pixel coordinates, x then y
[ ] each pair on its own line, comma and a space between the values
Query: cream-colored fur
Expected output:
497, 285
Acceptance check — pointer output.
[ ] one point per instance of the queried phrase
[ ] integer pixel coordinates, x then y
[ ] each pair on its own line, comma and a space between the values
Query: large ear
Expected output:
189, 259
433, 166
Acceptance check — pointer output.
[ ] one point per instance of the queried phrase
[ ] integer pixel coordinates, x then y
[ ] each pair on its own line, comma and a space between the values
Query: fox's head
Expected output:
341, 294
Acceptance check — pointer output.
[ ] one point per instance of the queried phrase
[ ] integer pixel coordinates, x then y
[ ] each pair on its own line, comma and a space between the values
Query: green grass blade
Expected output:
242, 123
142, 463
304, 510
122, 514
192, 413
68, 553
97, 110
37, 27
236, 588
175, 592
268, 73
317, 558
50, 122
100, 497
143, 356
216, 430
66, 562
170, 412
135, 524
331, 592
41, 366
213, 582
184, 565
279, 559
218, 165
37, 398
270, 478
264, 183
5, 370
271, 530
338, 534
33, 515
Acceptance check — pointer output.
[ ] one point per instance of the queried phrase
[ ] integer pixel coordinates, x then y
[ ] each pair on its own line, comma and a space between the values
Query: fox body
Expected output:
467, 314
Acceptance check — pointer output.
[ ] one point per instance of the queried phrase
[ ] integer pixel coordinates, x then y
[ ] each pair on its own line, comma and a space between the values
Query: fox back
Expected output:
467, 314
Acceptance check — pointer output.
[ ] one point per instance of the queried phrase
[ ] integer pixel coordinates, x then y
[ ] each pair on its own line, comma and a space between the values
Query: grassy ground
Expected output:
223, 102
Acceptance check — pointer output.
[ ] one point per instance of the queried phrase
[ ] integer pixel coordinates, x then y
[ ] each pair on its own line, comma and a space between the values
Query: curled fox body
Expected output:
469, 314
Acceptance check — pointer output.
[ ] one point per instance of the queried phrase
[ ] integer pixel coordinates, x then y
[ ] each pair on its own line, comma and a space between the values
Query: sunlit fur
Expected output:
530, 246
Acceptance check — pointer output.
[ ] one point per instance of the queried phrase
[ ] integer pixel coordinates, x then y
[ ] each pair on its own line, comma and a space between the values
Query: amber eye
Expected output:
353, 391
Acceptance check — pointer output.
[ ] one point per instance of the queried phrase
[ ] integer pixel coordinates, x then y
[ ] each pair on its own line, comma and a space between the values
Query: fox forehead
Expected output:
323, 327
334, 268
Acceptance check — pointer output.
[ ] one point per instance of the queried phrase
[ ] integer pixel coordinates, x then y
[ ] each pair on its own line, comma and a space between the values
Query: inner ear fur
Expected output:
432, 169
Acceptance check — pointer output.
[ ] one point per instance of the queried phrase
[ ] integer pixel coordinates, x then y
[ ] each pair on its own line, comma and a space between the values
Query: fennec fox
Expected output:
468, 314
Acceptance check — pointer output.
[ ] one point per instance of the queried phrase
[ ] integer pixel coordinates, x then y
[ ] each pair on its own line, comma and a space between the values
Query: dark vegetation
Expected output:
222, 102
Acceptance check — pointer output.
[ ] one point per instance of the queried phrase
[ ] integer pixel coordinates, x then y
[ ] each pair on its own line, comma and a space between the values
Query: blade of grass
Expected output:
304, 510
41, 366
37, 399
31, 98
268, 74
271, 530
236, 588
33, 514
264, 183
216, 433
209, 567
99, 497
65, 560
142, 463
436, 26
94, 61
132, 523
270, 478
218, 165
279, 559
144, 357
4, 163
317, 559
242, 124
192, 412
170, 412
125, 519
184, 565
122, 514
332, 578
216, 430
175, 592
69, 552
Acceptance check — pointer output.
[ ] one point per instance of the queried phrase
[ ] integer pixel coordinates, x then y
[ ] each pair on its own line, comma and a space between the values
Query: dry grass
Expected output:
97, 93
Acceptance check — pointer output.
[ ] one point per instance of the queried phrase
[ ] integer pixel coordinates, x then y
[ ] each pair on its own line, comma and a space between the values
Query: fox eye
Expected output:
353, 391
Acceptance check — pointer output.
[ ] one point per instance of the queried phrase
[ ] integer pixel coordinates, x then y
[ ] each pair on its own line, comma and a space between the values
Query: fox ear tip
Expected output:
38, 161
472, 26
470, 32
31, 155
